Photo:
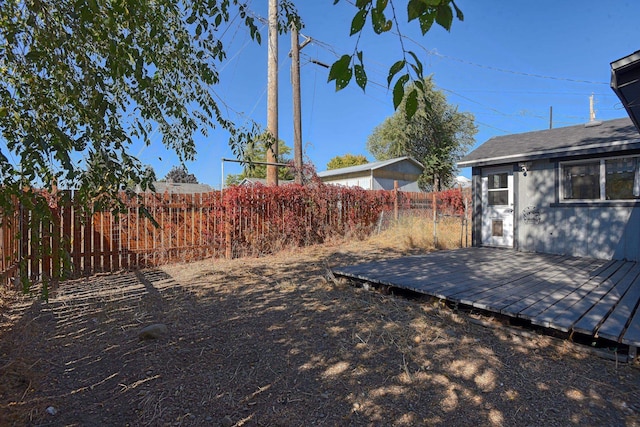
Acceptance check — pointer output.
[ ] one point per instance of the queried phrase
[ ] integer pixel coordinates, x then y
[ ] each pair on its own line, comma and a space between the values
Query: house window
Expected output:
582, 181
622, 180
605, 179
498, 189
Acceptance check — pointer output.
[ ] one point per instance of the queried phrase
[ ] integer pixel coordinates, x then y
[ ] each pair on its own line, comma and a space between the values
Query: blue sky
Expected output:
508, 62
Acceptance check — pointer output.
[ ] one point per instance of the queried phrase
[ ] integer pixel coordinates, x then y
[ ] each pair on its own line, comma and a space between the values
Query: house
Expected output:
377, 175
178, 188
573, 191
261, 181
461, 182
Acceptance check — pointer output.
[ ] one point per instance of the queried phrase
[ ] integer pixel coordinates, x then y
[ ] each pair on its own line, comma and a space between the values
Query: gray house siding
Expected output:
542, 221
544, 225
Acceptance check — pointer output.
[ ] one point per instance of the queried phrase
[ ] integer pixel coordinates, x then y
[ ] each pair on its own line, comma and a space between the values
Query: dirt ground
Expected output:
273, 342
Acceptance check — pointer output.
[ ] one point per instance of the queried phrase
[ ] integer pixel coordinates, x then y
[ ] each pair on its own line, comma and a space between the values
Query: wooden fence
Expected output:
187, 227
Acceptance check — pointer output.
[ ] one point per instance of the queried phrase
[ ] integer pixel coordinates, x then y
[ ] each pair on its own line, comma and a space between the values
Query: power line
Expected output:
433, 52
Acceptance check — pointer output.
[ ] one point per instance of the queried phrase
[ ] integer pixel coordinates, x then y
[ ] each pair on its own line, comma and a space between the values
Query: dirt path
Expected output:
272, 342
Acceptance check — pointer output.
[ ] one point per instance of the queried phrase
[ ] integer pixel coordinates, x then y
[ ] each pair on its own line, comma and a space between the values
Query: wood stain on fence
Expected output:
244, 221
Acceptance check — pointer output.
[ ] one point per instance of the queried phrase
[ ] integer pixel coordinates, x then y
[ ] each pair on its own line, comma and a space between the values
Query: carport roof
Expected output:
585, 139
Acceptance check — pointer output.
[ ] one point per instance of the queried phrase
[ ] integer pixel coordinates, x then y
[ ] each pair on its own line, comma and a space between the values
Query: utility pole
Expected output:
272, 94
297, 120
295, 83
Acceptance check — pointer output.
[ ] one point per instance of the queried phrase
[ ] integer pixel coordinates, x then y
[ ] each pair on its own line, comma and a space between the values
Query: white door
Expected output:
497, 207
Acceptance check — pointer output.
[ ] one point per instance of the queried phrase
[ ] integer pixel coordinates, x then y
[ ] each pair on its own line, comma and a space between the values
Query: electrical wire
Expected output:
435, 53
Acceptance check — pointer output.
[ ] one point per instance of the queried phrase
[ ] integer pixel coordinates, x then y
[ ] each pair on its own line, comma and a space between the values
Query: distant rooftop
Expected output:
367, 167
179, 188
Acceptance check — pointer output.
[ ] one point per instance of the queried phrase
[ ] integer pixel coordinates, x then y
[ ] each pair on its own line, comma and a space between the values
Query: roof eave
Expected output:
592, 149
625, 82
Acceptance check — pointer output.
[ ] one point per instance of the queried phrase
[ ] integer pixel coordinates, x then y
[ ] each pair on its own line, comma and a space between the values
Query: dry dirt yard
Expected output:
272, 342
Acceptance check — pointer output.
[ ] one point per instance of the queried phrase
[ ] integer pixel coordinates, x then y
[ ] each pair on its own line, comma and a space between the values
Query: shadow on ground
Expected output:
271, 341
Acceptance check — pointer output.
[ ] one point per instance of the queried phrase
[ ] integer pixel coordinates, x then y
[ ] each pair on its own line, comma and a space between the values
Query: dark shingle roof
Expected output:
591, 138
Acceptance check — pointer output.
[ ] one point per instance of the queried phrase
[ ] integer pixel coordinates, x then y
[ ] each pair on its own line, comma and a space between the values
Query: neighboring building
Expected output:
572, 190
262, 181
461, 182
178, 188
377, 175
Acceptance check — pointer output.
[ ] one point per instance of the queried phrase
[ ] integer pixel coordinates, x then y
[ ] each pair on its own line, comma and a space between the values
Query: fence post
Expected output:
395, 200
227, 230
435, 212
466, 221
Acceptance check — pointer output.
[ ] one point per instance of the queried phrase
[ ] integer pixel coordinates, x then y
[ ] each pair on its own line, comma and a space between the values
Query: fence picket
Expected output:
244, 221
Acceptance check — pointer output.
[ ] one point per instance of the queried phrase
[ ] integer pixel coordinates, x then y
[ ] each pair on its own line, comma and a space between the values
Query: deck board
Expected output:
566, 320
584, 295
552, 317
613, 326
548, 307
606, 305
632, 334
538, 299
502, 299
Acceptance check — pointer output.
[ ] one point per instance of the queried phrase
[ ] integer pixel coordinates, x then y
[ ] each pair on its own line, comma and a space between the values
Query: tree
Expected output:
256, 151
179, 174
437, 136
388, 140
409, 68
81, 80
347, 160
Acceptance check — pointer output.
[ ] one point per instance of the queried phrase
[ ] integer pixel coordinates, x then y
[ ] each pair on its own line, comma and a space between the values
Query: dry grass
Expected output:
415, 232
271, 341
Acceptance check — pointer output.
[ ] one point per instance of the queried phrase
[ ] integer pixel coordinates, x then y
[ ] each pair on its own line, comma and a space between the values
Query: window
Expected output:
605, 179
498, 189
582, 181
622, 179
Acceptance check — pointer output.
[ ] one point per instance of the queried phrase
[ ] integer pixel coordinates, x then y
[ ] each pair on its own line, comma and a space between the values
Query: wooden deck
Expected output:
589, 296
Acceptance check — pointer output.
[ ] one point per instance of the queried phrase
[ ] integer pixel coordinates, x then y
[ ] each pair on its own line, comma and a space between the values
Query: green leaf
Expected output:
444, 17
361, 76
358, 21
398, 90
411, 104
395, 69
426, 21
415, 9
341, 72
459, 13
417, 65
377, 20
